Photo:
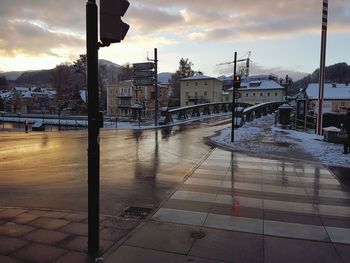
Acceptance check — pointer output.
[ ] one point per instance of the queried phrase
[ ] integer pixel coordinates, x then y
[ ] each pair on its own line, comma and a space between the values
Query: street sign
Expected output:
143, 66
143, 74
143, 82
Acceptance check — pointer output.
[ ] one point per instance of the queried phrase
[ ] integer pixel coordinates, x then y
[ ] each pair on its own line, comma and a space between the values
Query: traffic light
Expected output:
112, 28
237, 82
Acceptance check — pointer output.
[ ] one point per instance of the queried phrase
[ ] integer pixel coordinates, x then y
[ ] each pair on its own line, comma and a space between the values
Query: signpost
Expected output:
145, 74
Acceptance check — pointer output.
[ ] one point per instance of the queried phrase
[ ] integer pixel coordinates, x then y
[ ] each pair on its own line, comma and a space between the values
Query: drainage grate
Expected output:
135, 212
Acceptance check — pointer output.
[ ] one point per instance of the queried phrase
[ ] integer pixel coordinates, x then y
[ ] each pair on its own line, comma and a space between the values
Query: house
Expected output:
258, 89
123, 96
29, 100
200, 89
336, 97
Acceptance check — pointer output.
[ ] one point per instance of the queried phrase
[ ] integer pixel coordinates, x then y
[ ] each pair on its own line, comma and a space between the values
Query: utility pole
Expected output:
93, 128
233, 99
322, 67
156, 88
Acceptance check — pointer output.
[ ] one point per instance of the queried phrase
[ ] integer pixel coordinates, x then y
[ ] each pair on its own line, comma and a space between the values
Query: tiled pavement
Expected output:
33, 235
236, 208
232, 208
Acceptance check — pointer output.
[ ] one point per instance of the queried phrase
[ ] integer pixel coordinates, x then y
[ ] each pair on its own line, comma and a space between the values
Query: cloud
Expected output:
256, 68
47, 26
29, 38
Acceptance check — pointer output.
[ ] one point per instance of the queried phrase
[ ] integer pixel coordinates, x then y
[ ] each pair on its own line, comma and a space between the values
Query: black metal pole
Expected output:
156, 89
233, 99
93, 128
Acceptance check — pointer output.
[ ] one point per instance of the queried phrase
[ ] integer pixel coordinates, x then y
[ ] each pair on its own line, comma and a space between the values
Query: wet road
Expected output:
49, 170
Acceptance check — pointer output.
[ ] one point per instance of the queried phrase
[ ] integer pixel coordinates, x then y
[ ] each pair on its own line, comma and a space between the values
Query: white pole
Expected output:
322, 67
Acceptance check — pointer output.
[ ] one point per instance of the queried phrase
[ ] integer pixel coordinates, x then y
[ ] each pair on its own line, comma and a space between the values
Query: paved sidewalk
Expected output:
232, 208
236, 208
34, 235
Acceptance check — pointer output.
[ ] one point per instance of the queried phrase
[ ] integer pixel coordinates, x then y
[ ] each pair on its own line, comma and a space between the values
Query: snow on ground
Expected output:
262, 137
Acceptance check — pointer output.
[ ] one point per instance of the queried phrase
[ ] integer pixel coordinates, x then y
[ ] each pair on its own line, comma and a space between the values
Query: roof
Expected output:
198, 77
259, 85
341, 91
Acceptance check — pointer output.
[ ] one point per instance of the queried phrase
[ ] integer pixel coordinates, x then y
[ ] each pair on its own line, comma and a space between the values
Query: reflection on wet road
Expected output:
49, 170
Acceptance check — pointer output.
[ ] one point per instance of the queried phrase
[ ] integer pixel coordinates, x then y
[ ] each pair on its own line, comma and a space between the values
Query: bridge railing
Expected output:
200, 110
246, 113
259, 110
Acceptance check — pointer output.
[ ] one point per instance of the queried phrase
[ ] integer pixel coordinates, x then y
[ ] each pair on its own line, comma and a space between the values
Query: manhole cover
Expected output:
136, 212
197, 235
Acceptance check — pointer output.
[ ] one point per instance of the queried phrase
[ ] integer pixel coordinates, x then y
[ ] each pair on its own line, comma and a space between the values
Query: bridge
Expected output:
244, 111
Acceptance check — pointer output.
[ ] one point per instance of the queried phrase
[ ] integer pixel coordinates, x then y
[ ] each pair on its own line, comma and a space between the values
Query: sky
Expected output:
284, 37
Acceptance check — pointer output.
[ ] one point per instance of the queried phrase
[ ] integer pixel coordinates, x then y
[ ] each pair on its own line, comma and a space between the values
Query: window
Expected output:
268, 94
253, 94
342, 104
246, 95
205, 93
276, 94
186, 103
261, 94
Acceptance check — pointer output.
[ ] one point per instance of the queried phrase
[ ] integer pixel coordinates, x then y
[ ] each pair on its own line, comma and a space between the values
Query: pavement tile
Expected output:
180, 216
238, 211
339, 235
293, 218
126, 254
285, 250
126, 224
229, 246
165, 237
49, 223
336, 222
242, 224
39, 253
343, 251
112, 234
73, 217
9, 245
6, 259
80, 244
76, 229
10, 213
55, 214
188, 205
292, 230
45, 236
74, 257
14, 230
24, 218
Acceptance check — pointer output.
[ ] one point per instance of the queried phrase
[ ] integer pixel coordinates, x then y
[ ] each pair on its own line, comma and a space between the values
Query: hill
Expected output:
37, 77
337, 73
11, 75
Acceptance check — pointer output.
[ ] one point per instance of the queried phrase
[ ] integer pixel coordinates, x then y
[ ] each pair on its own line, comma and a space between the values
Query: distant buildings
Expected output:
260, 88
200, 89
336, 97
123, 98
37, 100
